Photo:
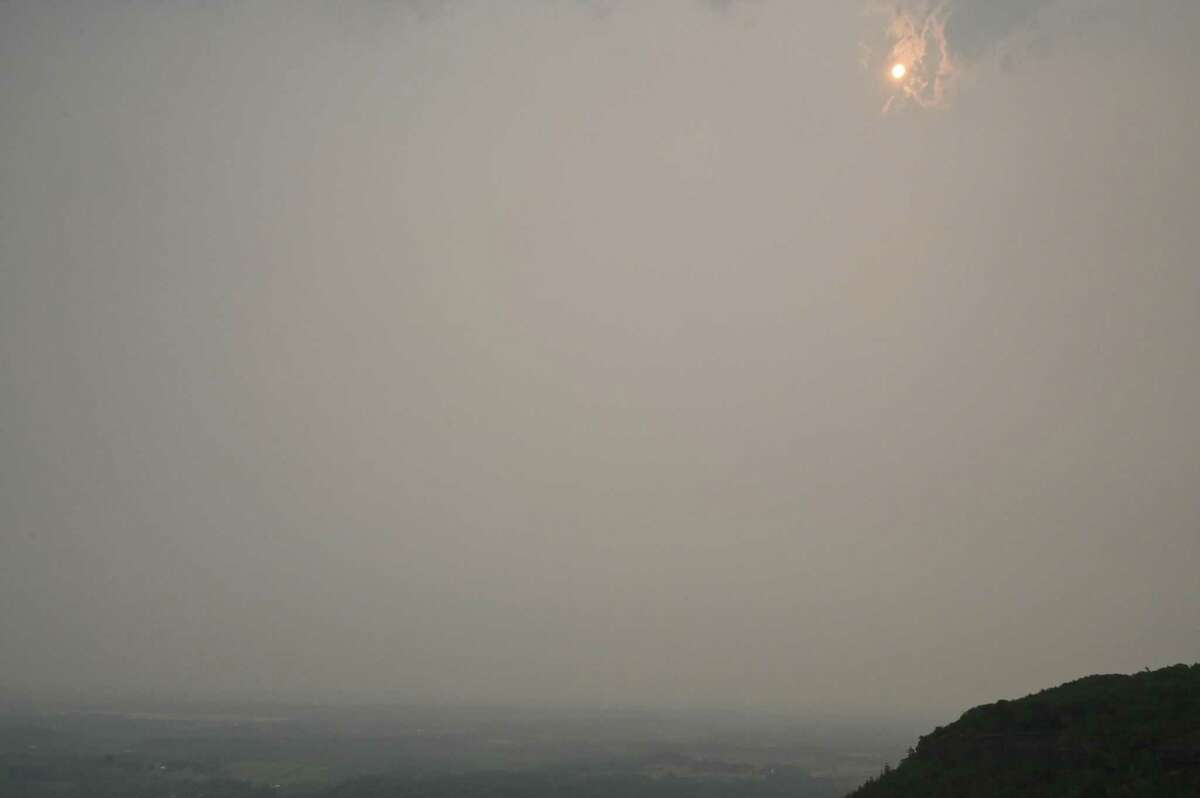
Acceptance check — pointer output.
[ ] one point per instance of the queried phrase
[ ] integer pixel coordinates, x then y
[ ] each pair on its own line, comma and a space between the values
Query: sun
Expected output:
899, 71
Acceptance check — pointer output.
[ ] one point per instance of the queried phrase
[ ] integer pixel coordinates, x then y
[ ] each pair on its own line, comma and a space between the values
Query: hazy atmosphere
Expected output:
658, 353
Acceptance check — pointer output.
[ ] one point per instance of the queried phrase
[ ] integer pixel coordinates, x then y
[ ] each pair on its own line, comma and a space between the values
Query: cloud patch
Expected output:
939, 40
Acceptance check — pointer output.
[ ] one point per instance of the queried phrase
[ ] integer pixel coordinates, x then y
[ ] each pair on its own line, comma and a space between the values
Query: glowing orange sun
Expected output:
899, 71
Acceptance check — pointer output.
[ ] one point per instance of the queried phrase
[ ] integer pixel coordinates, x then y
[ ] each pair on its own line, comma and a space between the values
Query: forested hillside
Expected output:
1097, 737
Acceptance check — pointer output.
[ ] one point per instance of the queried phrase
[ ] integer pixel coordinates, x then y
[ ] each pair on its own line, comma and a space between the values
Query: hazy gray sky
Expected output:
596, 352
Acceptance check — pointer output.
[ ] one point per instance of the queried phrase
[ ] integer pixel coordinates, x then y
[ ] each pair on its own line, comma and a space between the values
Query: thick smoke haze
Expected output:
593, 353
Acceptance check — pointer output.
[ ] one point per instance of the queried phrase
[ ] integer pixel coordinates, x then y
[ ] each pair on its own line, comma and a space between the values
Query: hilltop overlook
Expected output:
1098, 736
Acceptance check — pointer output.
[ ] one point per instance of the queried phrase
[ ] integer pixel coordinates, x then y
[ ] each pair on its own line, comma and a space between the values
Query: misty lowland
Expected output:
599, 399
1098, 736
397, 751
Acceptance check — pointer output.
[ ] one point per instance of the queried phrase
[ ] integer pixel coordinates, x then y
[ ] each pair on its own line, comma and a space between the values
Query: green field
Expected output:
282, 772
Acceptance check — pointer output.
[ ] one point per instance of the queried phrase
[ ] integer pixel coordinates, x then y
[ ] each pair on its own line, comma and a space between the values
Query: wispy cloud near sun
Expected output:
932, 43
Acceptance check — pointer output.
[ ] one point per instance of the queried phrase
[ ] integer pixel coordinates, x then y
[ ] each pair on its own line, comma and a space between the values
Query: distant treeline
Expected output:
583, 784
34, 775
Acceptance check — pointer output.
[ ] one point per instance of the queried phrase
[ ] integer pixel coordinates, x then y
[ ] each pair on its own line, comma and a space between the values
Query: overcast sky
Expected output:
601, 352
